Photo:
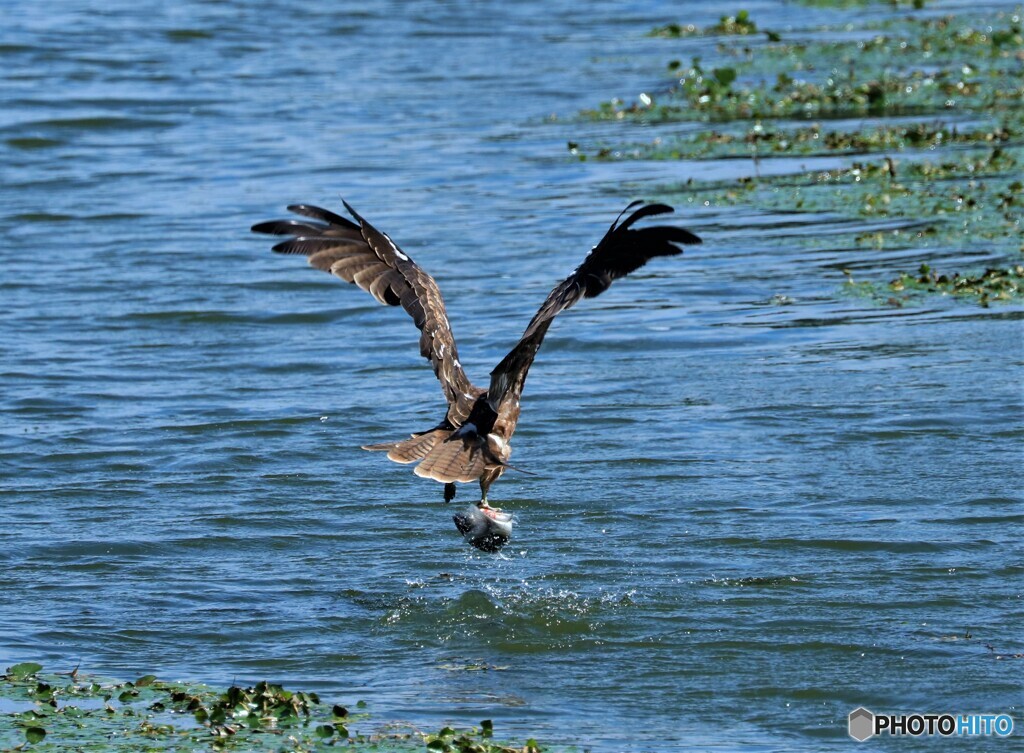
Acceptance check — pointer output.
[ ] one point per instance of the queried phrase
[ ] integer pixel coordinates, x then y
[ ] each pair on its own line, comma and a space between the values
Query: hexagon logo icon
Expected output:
862, 724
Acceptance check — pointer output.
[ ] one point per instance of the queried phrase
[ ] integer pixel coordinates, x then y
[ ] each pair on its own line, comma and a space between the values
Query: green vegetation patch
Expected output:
909, 66
934, 104
966, 198
739, 24
72, 712
780, 139
991, 285
718, 94
915, 4
967, 202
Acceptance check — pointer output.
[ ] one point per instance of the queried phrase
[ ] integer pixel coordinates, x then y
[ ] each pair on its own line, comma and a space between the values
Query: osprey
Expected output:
472, 440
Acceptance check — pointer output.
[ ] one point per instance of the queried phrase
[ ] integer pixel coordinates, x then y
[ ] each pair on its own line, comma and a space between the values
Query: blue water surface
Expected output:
747, 519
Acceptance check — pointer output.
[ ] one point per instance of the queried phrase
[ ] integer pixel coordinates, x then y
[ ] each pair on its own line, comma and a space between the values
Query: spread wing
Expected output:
362, 255
622, 250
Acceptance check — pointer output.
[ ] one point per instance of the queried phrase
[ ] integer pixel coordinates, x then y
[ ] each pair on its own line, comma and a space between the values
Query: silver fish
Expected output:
487, 528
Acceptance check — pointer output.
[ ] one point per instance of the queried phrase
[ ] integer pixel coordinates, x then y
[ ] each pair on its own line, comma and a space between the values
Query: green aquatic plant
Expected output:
964, 203
929, 65
974, 191
938, 99
674, 31
475, 740
915, 4
22, 671
977, 49
972, 196
57, 712
773, 139
738, 24
700, 96
703, 86
994, 284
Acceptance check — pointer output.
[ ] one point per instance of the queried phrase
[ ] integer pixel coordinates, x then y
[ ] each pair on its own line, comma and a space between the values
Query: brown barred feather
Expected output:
324, 260
412, 449
453, 461
350, 266
359, 253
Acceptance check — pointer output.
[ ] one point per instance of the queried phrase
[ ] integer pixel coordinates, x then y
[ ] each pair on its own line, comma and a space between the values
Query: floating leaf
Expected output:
144, 681
225, 719
23, 670
725, 76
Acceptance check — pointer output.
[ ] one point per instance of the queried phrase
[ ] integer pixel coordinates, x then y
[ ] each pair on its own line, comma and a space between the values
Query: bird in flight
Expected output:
472, 440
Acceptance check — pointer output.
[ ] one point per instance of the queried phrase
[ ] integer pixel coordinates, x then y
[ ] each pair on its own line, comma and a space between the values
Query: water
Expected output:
748, 519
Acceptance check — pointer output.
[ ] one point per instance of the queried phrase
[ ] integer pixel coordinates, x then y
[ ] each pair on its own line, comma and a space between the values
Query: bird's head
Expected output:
485, 528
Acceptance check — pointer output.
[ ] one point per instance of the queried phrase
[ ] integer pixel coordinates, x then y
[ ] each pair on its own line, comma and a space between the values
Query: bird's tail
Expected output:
442, 456
410, 450
456, 460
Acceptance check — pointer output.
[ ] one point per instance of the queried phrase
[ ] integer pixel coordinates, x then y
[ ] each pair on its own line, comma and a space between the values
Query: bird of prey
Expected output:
472, 441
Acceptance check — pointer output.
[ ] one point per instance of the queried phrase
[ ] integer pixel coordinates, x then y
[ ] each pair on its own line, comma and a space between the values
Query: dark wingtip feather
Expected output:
354, 213
647, 210
630, 205
289, 247
685, 236
668, 234
308, 210
309, 245
288, 227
